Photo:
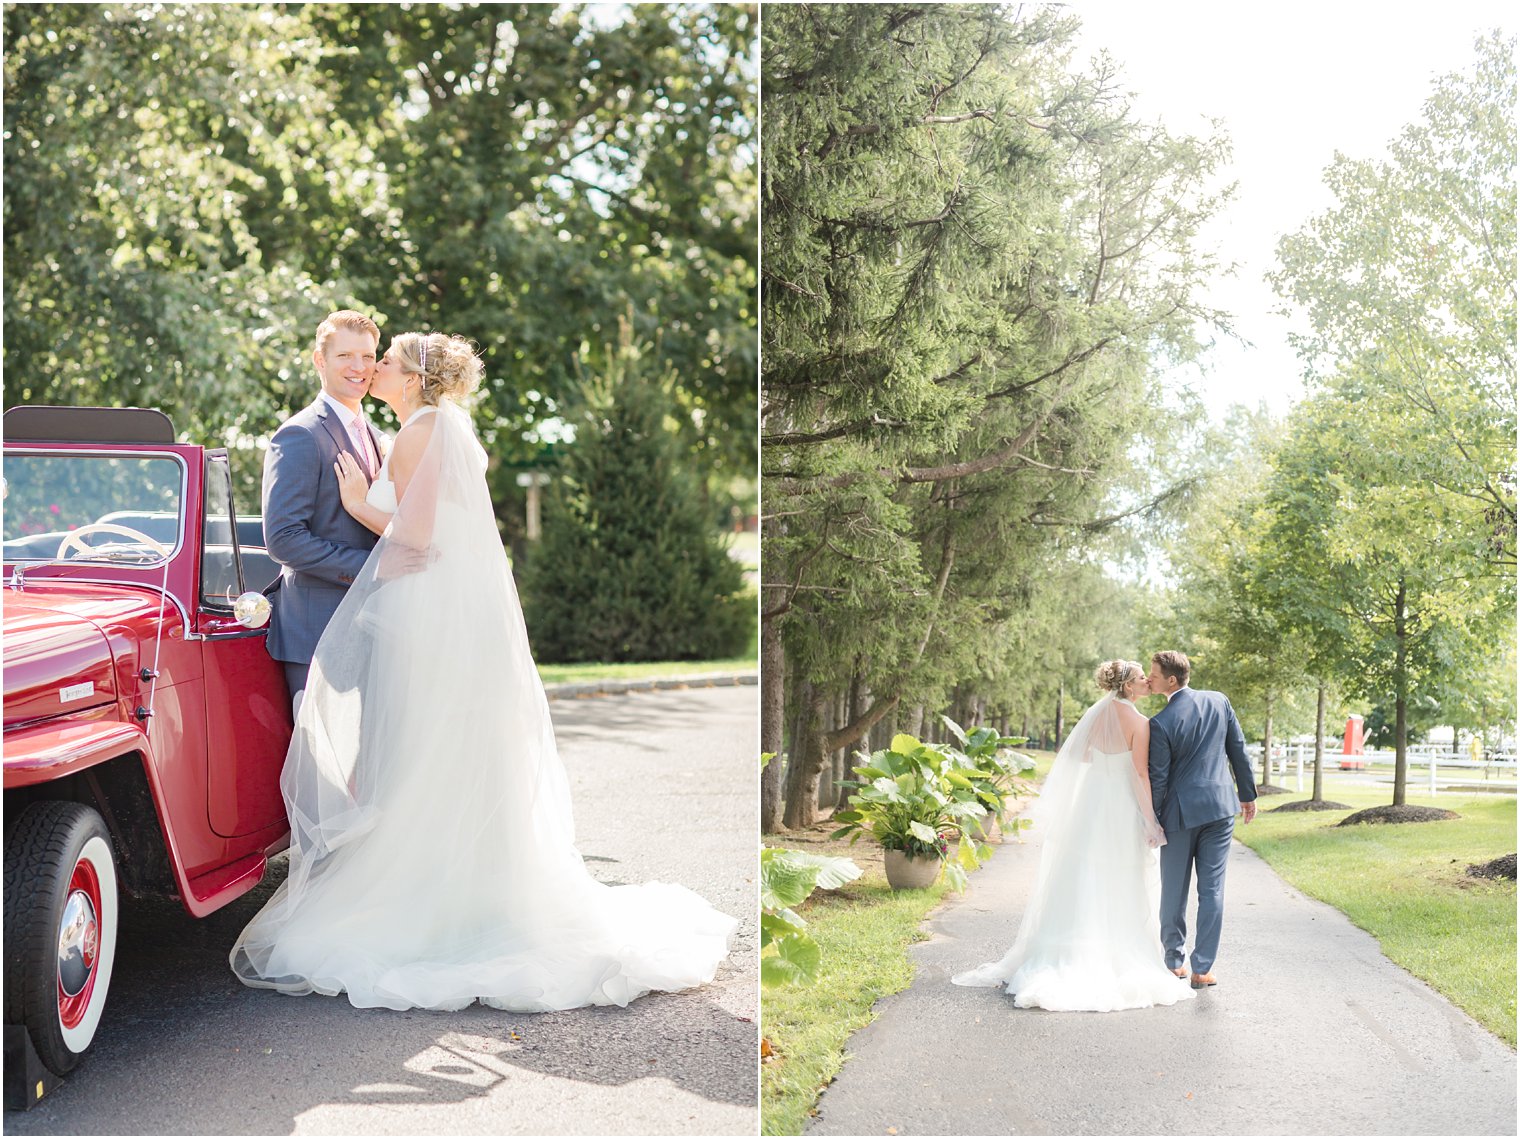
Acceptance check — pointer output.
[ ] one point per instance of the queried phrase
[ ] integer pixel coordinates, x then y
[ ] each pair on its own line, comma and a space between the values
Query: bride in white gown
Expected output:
1090, 938
432, 858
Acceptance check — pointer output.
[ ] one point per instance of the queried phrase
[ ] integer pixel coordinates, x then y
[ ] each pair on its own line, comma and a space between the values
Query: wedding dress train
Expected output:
1090, 936
432, 859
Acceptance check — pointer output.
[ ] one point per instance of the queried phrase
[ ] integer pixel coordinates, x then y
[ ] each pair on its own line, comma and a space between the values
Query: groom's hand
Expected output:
1248, 810
397, 559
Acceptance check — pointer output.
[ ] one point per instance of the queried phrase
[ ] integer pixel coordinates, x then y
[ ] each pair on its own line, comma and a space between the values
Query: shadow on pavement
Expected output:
628, 715
186, 1049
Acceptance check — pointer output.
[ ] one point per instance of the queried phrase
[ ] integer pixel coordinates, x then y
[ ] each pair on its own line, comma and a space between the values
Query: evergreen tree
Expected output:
631, 565
972, 258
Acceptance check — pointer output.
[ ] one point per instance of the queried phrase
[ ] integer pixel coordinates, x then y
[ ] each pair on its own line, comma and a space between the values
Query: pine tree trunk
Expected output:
915, 722
807, 758
1400, 696
772, 724
829, 796
854, 706
1319, 745
883, 730
825, 784
1060, 714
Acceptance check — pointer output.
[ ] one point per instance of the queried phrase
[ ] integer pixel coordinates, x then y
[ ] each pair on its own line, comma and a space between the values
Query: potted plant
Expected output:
916, 801
988, 766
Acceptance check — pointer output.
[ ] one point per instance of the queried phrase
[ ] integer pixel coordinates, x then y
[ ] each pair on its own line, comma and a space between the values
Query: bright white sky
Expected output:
1293, 82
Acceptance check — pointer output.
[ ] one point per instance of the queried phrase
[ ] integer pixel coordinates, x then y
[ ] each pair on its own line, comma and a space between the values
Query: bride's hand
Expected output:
352, 485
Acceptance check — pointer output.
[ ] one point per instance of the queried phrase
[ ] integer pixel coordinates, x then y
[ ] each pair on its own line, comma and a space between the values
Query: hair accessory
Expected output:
423, 354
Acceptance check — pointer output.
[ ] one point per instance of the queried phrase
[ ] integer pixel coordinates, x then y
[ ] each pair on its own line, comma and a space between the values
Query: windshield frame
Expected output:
22, 450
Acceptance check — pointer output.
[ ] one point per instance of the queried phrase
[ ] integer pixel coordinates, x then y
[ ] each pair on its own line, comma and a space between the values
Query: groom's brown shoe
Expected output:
1203, 980
1180, 972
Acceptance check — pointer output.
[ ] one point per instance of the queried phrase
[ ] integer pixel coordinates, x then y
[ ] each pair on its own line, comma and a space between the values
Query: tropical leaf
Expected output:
783, 923
904, 744
796, 961
784, 882
833, 871
922, 832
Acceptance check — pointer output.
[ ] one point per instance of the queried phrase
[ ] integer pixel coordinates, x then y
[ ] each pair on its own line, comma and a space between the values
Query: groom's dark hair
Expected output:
1173, 664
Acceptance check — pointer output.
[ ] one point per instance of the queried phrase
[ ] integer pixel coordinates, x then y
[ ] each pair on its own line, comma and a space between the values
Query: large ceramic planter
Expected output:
911, 871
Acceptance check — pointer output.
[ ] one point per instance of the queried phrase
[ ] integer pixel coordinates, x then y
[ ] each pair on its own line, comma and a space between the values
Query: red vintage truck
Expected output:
145, 724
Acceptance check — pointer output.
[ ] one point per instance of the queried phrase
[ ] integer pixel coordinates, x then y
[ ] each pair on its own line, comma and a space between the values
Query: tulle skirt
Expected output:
1090, 937
433, 860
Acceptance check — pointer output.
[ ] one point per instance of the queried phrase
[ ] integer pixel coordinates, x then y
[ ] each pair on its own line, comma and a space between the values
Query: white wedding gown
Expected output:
1090, 936
432, 858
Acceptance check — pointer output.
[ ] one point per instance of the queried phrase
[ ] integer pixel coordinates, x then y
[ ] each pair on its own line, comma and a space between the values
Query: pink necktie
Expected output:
361, 438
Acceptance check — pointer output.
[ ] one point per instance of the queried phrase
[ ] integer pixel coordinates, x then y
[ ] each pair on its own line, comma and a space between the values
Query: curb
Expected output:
577, 689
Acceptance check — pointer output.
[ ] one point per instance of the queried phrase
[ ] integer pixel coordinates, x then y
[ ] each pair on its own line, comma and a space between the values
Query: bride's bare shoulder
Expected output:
1129, 714
414, 435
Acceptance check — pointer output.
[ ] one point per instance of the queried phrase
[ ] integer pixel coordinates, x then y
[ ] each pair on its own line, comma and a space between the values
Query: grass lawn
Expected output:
749, 661
1405, 884
577, 673
864, 930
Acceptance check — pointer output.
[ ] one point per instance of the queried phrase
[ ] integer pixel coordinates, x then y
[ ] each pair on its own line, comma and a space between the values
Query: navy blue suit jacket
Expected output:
320, 546
1196, 742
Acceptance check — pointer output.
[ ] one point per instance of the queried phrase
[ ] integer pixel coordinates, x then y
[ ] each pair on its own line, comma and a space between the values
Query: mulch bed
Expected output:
1404, 814
1271, 789
1313, 805
1501, 867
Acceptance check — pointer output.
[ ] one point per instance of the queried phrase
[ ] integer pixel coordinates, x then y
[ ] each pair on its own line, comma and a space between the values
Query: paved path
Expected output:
1312, 1031
664, 787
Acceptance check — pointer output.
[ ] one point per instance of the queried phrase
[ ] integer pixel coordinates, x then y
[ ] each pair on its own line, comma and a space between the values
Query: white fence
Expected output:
1498, 773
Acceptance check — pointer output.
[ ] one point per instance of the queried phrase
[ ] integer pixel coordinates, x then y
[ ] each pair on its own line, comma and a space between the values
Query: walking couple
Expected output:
432, 859
1131, 810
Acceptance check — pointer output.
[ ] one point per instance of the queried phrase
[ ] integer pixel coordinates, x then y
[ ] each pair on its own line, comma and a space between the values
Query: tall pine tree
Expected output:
631, 565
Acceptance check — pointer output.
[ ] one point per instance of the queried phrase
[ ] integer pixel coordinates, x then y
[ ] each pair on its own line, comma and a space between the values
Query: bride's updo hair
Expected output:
448, 365
1113, 675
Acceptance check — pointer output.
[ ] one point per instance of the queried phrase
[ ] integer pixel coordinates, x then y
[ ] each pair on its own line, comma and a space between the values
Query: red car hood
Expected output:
56, 658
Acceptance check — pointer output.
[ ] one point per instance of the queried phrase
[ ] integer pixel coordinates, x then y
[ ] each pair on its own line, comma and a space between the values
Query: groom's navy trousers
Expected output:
1208, 848
1199, 775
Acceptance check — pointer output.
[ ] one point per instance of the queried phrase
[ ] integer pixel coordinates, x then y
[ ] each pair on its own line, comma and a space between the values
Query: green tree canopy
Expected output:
190, 187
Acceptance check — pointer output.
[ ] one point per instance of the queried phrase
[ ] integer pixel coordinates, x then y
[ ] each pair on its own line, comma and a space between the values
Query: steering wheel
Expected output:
71, 540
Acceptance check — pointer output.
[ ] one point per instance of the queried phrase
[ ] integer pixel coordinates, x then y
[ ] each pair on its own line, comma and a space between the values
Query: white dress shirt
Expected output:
358, 434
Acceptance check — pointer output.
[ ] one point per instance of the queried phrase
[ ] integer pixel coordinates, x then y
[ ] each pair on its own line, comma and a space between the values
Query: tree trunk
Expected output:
1319, 745
883, 730
915, 722
772, 724
1266, 745
830, 795
1400, 696
806, 762
825, 777
1060, 714
854, 708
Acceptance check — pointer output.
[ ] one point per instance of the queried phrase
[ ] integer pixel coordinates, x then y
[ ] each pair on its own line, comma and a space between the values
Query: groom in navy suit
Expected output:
1196, 745
320, 546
